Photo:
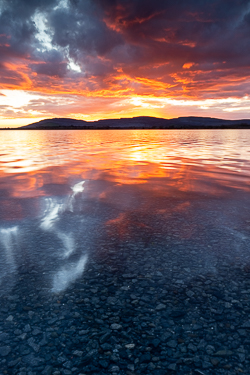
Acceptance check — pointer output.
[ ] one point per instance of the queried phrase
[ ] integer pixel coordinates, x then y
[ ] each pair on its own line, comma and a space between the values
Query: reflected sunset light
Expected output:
184, 160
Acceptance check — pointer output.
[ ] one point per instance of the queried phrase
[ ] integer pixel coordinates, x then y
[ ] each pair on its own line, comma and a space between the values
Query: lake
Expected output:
132, 234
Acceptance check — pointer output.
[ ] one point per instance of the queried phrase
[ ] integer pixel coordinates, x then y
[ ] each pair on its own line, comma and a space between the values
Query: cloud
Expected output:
118, 49
51, 69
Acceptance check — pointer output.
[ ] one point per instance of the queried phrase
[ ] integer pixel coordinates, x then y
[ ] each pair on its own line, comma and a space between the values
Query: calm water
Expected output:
69, 196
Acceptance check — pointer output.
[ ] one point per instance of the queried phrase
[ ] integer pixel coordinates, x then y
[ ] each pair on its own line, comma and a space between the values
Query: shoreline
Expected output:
140, 123
174, 127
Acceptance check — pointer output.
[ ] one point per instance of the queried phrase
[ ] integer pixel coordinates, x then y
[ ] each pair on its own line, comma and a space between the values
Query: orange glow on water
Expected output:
172, 159
139, 173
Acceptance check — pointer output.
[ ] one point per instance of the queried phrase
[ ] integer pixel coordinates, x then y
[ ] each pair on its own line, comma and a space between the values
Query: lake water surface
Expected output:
125, 252
66, 193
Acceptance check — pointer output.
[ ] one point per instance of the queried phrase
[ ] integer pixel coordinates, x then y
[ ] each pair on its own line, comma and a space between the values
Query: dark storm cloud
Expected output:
177, 30
17, 39
83, 30
51, 69
174, 42
17, 24
52, 64
138, 33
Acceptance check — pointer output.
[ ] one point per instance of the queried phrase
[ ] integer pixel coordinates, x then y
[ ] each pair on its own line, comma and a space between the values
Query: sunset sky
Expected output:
93, 59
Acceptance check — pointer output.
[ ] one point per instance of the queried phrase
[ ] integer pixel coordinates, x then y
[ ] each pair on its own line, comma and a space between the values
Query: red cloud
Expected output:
123, 49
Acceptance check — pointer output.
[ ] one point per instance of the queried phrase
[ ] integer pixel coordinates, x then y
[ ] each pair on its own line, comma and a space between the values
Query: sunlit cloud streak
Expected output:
106, 53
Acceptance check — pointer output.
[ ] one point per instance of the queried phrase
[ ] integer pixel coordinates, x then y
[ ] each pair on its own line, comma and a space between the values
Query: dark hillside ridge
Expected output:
142, 122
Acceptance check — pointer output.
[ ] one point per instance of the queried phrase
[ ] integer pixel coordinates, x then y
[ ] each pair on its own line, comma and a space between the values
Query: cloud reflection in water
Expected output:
53, 213
57, 228
9, 239
68, 274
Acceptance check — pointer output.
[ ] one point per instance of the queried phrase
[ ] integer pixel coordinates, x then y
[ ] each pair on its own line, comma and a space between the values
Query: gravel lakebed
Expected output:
139, 320
150, 302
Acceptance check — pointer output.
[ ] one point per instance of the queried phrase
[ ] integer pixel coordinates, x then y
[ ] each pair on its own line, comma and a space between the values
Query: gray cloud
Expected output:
51, 69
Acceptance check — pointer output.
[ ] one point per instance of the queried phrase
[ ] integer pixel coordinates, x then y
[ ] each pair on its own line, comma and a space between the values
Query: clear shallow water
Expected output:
66, 194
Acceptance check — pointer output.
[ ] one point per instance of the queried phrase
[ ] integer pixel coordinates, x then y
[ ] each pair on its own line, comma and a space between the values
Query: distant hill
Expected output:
142, 122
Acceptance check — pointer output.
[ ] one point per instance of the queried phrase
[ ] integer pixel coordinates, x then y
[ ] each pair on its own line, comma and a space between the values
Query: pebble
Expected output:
172, 366
116, 326
172, 343
146, 357
223, 353
130, 346
161, 306
5, 350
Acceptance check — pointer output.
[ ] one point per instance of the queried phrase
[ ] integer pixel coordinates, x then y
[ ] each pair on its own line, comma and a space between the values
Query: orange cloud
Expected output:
103, 56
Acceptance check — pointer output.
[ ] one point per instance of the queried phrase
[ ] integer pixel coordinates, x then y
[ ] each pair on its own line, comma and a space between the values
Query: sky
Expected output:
94, 59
